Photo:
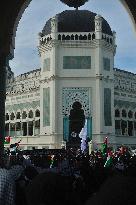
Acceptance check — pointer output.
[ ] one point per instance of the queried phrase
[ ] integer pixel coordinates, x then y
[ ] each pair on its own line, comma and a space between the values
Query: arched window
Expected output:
30, 115
24, 115
63, 37
67, 37
12, 116
124, 113
89, 36
59, 37
37, 113
18, 115
80, 37
76, 37
84, 37
72, 37
7, 116
117, 113
93, 36
130, 114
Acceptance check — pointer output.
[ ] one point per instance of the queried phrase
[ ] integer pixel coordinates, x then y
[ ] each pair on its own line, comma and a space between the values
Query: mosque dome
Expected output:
76, 21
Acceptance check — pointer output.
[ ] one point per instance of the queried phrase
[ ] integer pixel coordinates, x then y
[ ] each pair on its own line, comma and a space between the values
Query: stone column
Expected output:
15, 133
120, 128
3, 62
21, 131
33, 127
27, 128
9, 128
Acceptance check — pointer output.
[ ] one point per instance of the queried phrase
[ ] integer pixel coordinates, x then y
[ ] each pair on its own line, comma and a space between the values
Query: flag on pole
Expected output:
108, 162
104, 146
83, 136
7, 140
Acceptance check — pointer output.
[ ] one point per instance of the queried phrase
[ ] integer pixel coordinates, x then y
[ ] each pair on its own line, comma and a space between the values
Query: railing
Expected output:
74, 36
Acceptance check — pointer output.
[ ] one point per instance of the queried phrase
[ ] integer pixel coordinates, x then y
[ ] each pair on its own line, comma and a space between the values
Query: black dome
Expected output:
76, 21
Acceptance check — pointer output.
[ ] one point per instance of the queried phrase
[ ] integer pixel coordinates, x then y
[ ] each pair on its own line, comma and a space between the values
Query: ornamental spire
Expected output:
74, 3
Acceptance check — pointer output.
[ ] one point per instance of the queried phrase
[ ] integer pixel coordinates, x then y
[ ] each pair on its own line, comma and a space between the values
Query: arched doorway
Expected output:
76, 123
73, 123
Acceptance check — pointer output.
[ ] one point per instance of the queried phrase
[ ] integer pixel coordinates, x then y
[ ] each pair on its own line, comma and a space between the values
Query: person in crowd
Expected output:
7, 188
65, 176
49, 189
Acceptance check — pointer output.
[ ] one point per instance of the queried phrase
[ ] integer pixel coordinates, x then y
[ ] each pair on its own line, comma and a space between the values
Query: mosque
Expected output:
47, 107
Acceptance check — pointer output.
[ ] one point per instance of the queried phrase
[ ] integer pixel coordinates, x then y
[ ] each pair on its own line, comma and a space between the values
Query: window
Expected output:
106, 64
37, 113
7, 127
124, 127
30, 115
12, 127
124, 113
24, 115
18, 115
37, 124
130, 128
117, 113
18, 126
130, 114
117, 124
46, 65
76, 62
7, 116
107, 107
30, 128
12, 116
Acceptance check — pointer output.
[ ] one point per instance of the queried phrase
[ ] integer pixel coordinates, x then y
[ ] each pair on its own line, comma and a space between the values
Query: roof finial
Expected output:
74, 3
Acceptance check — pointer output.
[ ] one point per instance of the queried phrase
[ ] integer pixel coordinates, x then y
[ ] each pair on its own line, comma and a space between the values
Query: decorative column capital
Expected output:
114, 36
98, 23
98, 26
54, 26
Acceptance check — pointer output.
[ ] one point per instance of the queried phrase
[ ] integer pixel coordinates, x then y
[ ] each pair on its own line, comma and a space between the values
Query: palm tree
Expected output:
74, 3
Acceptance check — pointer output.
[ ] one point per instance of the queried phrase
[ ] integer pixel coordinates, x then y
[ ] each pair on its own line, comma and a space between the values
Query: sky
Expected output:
26, 56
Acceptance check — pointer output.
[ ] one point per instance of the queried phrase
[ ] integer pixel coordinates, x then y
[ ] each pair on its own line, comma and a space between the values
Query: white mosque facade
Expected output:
76, 50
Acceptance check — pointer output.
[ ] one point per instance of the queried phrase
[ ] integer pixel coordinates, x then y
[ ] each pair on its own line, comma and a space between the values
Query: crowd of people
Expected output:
69, 176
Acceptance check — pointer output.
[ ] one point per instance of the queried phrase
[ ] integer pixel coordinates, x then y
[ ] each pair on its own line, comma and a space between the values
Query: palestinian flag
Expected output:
7, 140
108, 162
104, 147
